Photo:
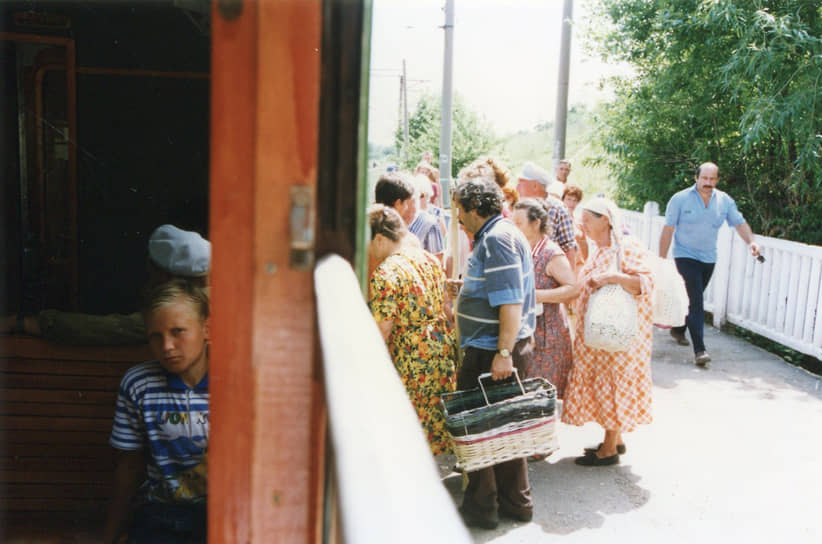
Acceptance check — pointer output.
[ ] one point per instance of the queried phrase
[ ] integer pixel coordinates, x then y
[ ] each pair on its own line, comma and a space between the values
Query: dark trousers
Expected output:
696, 275
169, 524
504, 485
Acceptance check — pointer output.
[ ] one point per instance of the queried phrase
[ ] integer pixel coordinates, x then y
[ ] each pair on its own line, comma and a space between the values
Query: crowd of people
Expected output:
533, 252
537, 252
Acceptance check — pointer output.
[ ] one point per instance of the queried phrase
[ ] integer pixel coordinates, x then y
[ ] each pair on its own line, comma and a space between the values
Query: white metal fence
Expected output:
779, 299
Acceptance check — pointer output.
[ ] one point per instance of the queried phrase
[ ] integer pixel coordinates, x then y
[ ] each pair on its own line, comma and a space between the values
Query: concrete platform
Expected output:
734, 455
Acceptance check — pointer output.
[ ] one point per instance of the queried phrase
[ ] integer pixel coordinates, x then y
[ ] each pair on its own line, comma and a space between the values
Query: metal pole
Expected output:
561, 115
445, 120
404, 111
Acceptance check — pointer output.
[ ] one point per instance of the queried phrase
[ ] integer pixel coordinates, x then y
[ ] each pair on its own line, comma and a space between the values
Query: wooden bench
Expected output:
56, 411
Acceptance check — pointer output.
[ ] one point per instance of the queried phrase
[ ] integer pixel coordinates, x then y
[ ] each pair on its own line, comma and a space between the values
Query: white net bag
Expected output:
611, 319
669, 302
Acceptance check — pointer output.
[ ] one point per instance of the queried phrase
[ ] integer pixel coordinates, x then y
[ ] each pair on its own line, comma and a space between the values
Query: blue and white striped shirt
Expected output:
157, 411
500, 271
426, 227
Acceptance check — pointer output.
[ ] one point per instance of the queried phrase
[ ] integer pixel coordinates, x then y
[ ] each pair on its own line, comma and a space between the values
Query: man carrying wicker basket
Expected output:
496, 318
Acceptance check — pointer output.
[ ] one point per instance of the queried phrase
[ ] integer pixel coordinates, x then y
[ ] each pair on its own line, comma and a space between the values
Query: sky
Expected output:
506, 60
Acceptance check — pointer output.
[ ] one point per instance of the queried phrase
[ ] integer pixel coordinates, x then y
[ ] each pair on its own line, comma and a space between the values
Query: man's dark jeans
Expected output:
696, 275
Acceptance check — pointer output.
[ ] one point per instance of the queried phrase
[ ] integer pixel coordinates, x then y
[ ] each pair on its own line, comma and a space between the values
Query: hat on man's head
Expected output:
534, 172
180, 252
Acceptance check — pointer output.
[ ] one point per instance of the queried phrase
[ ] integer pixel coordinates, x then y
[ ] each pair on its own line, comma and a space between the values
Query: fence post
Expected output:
722, 274
650, 212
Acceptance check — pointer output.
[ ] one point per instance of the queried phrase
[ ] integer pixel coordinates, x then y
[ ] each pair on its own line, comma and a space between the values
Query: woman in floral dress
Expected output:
611, 388
406, 298
555, 283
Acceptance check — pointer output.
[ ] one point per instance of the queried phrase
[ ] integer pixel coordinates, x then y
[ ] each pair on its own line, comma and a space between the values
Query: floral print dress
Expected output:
407, 288
612, 389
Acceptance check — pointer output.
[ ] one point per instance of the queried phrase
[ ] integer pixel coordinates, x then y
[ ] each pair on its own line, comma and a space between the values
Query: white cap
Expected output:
534, 172
180, 252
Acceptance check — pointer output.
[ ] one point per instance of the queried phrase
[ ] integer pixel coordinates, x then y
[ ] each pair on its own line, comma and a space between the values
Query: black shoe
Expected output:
621, 449
516, 515
594, 461
475, 520
679, 337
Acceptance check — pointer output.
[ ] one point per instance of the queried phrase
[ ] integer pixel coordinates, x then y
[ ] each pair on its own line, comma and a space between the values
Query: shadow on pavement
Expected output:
567, 497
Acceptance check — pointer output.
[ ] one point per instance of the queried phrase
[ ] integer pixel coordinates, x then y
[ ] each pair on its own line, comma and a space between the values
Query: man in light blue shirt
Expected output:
692, 219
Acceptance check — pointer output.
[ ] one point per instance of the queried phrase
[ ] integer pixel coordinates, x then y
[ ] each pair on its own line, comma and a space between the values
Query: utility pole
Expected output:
445, 119
561, 115
404, 111
399, 114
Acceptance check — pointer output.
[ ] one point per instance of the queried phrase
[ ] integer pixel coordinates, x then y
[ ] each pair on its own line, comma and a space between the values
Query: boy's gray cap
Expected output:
180, 252
534, 172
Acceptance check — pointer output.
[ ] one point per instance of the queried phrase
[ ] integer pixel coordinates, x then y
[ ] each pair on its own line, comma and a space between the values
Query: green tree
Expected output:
731, 81
471, 136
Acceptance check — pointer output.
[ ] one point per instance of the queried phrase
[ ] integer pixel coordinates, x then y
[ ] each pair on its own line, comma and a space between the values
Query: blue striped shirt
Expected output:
500, 271
156, 411
426, 227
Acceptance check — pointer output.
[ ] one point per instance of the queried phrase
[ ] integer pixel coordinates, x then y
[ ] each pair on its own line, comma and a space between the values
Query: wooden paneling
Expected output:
56, 412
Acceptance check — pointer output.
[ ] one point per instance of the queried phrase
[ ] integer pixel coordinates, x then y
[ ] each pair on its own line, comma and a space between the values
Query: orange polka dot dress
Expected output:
612, 389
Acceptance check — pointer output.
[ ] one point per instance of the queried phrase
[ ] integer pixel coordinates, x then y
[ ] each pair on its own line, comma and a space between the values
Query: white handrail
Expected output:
779, 299
389, 485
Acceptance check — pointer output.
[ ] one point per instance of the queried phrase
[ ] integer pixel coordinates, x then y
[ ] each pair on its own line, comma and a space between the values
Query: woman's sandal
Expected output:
621, 449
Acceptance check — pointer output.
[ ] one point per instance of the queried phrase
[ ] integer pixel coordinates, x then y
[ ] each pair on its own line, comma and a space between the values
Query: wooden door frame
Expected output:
266, 417
70, 67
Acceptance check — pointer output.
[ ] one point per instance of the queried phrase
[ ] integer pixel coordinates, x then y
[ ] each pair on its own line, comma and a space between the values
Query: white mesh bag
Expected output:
611, 320
669, 302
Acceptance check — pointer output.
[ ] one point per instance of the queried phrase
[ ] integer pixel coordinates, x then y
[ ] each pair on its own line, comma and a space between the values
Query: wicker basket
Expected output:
500, 422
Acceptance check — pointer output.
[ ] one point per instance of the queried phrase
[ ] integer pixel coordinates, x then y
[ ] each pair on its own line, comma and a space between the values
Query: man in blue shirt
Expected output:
496, 316
692, 219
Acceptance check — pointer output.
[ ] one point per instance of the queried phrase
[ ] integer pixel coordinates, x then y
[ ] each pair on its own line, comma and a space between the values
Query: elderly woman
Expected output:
555, 284
405, 296
611, 388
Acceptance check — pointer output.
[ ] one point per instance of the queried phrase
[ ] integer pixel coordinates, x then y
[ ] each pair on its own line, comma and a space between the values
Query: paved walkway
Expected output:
734, 455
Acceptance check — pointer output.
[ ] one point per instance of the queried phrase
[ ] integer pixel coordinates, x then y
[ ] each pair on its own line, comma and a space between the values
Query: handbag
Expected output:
611, 319
669, 302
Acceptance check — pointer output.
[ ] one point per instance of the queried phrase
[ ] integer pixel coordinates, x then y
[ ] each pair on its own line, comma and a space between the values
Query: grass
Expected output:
796, 358
536, 146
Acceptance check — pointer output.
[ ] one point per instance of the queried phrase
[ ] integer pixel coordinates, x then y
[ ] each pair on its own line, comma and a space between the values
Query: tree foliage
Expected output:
471, 136
736, 82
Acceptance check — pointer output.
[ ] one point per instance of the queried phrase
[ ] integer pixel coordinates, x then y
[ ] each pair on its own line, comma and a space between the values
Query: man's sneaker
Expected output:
702, 358
679, 337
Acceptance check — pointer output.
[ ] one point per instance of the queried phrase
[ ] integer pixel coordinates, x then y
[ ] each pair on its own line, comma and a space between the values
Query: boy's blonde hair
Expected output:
169, 292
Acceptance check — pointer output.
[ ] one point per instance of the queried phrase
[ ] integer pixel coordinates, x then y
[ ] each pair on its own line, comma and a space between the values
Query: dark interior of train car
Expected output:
140, 145
105, 136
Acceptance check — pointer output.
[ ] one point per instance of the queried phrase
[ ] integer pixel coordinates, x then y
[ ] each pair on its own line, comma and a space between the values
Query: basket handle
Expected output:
488, 375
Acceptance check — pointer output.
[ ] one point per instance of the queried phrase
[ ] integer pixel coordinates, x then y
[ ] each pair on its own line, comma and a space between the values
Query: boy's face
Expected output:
177, 338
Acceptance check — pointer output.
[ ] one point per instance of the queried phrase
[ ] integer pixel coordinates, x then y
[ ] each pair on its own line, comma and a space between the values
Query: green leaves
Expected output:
736, 82
471, 136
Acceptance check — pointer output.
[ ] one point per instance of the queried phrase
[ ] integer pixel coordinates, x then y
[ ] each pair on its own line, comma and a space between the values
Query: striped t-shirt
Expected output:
157, 412
500, 271
426, 227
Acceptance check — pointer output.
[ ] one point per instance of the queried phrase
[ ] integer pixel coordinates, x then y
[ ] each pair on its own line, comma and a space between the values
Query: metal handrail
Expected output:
388, 485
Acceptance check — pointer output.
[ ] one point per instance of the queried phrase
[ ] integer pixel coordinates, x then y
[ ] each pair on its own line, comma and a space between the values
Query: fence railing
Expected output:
388, 487
778, 299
